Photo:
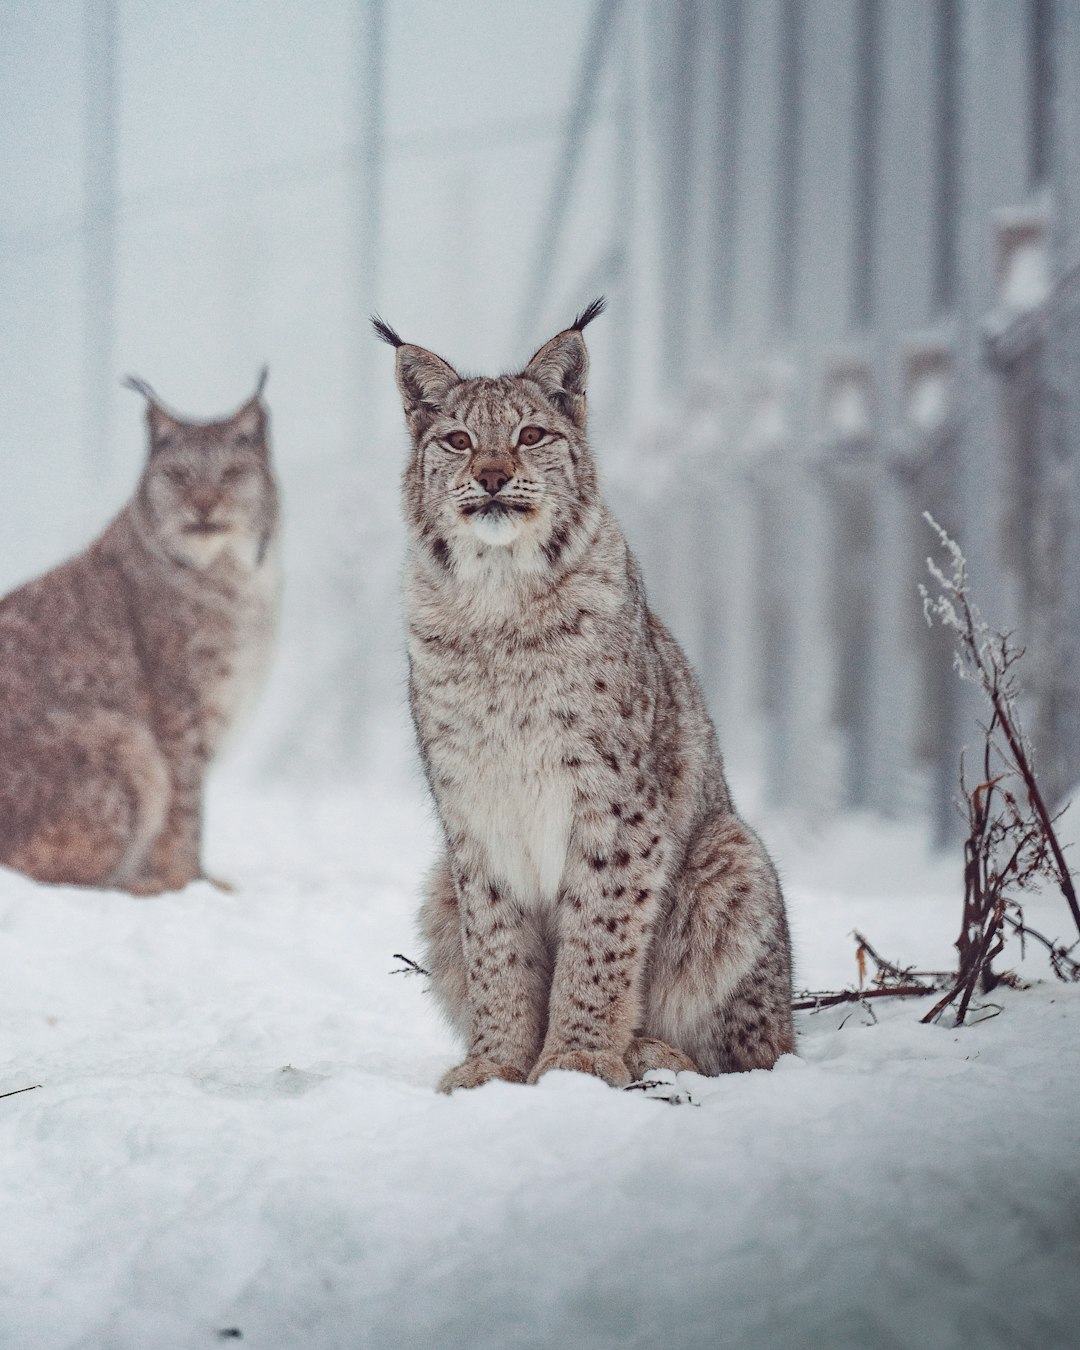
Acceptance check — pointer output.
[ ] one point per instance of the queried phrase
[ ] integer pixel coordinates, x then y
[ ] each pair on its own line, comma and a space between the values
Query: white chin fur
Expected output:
202, 551
497, 531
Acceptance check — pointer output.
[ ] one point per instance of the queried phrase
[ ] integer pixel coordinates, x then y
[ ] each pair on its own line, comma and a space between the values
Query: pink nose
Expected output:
204, 501
491, 477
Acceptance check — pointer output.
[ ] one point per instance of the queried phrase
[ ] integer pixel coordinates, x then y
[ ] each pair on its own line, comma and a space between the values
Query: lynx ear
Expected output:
161, 425
561, 366
424, 380
250, 420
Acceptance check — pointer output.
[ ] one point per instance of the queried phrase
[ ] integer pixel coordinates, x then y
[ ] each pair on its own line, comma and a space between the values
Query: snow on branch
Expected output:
1012, 844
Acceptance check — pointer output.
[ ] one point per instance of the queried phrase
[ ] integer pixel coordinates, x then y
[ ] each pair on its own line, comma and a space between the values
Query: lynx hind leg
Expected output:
102, 807
444, 958
720, 977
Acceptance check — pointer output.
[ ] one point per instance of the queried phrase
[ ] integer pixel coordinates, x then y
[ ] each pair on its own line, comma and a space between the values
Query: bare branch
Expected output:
410, 967
1011, 845
830, 998
15, 1091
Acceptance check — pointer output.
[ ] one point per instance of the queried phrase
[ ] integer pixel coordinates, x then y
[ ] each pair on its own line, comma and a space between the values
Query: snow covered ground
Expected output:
235, 1138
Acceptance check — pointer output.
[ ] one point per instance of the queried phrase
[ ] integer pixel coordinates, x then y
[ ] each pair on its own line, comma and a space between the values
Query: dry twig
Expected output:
410, 967
15, 1091
1012, 844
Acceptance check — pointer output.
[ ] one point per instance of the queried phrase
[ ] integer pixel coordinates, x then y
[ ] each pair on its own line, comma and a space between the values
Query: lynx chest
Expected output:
497, 753
246, 661
212, 644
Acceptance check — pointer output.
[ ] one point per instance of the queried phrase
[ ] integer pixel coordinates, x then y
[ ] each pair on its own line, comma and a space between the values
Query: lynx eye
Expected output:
459, 440
233, 473
175, 473
531, 435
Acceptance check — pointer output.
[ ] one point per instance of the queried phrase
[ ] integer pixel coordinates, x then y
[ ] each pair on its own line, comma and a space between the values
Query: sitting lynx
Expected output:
121, 670
599, 905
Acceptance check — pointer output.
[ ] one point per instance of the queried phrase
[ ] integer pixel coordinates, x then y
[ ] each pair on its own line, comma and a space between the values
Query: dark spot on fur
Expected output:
622, 858
599, 686
441, 553
641, 897
560, 537
598, 864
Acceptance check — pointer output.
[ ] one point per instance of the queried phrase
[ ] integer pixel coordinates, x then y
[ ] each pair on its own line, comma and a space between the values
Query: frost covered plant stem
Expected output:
1011, 844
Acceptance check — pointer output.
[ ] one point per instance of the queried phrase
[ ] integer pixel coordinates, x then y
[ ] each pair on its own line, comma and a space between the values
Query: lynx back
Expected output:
598, 904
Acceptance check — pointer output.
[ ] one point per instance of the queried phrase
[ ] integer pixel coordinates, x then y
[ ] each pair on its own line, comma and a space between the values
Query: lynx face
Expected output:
496, 466
501, 475
207, 487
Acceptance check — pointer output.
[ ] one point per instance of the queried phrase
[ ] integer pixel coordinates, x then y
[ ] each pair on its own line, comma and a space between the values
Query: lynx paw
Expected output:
648, 1052
474, 1072
603, 1064
156, 885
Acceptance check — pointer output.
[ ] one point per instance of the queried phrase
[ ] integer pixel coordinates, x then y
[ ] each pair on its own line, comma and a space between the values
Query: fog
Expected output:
840, 242
805, 217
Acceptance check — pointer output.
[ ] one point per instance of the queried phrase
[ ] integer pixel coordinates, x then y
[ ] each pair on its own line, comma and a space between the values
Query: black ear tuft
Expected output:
385, 332
590, 312
140, 387
264, 375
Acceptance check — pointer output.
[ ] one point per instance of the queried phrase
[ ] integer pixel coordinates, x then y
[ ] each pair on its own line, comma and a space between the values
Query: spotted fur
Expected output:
122, 669
598, 906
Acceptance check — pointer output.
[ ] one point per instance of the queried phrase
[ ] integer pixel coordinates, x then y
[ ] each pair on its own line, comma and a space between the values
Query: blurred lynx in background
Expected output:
599, 905
121, 670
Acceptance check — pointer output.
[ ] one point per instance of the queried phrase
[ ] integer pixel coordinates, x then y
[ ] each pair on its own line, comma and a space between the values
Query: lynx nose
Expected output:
204, 501
491, 477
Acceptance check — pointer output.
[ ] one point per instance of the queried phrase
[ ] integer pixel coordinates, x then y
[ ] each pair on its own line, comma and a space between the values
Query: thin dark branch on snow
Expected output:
830, 998
1064, 965
410, 967
889, 971
15, 1091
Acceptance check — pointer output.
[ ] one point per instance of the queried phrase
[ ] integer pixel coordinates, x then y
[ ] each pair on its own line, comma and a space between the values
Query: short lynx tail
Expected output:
385, 332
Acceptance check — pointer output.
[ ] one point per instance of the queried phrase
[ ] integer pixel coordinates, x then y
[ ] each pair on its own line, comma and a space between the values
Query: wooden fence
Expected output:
865, 221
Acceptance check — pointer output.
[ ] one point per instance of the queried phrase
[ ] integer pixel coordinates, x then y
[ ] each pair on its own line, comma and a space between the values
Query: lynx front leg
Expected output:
605, 912
499, 990
174, 860
176, 857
